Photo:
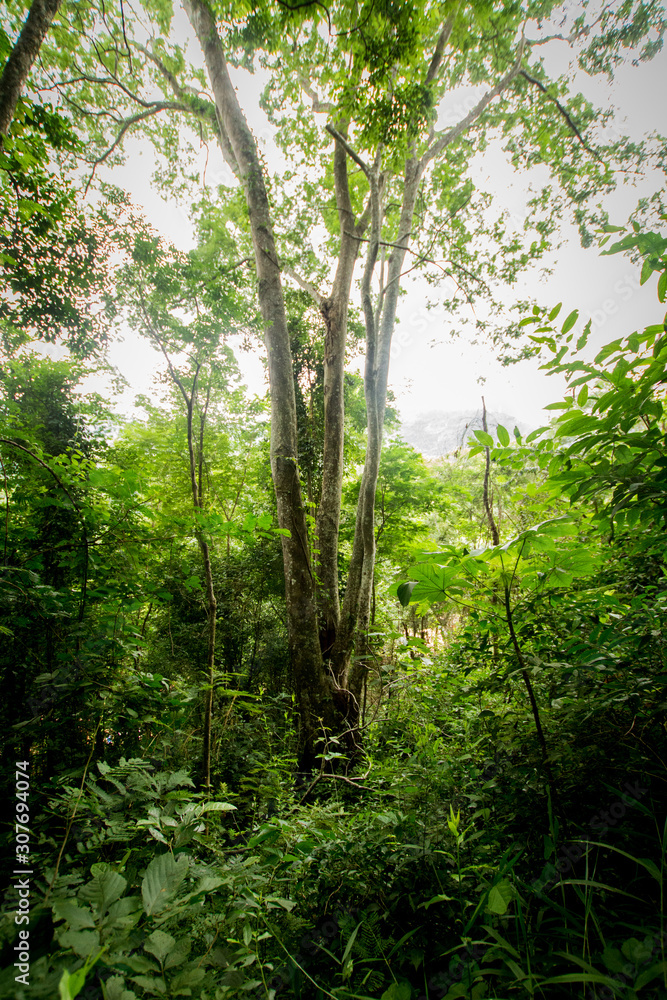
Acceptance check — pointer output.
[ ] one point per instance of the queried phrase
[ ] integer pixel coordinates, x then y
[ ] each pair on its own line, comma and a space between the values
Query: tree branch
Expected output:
21, 58
446, 138
441, 44
127, 124
209, 114
317, 296
564, 113
319, 107
348, 149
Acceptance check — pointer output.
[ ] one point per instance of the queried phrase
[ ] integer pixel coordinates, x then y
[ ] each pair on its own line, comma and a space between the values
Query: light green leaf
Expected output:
503, 435
163, 877
71, 984
570, 321
484, 438
647, 271
500, 897
662, 286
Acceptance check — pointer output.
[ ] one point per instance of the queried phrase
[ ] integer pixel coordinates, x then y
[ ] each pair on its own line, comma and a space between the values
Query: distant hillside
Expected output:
437, 432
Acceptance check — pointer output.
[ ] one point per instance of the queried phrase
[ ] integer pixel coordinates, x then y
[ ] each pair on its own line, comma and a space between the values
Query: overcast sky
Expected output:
431, 370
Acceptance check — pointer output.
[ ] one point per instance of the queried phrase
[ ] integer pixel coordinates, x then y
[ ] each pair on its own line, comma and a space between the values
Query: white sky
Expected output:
446, 375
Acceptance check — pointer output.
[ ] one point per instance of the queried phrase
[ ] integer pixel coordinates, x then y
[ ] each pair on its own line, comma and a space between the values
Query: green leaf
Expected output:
71, 984
500, 897
570, 321
180, 984
503, 435
163, 877
104, 889
662, 286
114, 989
554, 312
159, 944
179, 953
397, 991
659, 969
404, 591
76, 916
484, 438
647, 271
82, 943
155, 985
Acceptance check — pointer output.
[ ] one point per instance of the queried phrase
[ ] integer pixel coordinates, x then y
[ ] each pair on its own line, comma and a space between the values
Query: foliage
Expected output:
501, 831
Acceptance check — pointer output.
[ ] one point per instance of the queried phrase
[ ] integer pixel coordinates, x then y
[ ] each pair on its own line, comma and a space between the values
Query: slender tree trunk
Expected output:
487, 500
21, 58
551, 779
334, 312
379, 331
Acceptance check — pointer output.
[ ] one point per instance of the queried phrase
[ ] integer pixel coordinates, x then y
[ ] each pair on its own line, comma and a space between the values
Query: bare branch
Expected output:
105, 81
127, 124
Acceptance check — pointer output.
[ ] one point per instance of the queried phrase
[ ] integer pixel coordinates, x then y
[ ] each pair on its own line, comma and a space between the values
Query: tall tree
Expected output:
355, 92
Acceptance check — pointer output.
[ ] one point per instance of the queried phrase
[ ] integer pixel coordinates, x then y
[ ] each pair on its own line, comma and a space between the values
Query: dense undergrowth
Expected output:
504, 831
445, 872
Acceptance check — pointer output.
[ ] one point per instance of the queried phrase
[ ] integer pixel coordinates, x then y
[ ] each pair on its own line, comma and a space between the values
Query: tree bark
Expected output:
334, 312
379, 331
21, 58
316, 707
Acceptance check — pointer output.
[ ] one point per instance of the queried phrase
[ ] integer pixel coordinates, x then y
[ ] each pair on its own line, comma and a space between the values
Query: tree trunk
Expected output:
379, 331
21, 58
316, 707
334, 312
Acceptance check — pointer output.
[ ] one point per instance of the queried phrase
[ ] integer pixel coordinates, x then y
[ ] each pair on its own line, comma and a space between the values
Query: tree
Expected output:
21, 58
158, 287
386, 175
